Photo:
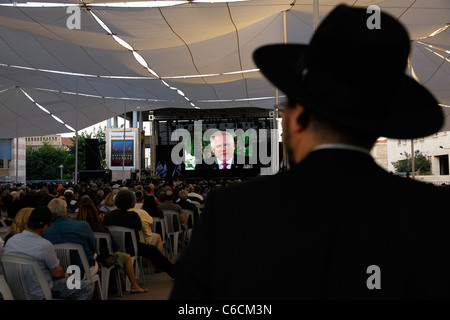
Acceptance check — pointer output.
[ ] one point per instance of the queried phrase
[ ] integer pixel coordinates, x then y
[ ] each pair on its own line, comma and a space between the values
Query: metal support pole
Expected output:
17, 137
76, 137
135, 119
124, 127
274, 137
315, 14
412, 160
141, 145
285, 153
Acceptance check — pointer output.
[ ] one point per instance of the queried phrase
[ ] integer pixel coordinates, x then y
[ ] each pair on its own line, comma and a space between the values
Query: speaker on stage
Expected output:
92, 154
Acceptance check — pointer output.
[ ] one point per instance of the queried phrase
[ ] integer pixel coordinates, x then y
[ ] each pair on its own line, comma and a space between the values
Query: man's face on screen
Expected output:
223, 147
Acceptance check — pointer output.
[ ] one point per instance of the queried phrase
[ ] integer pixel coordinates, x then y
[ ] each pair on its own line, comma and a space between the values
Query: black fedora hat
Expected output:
355, 76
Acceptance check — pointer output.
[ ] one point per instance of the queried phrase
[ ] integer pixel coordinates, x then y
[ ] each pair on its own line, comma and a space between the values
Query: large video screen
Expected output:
117, 153
222, 150
216, 148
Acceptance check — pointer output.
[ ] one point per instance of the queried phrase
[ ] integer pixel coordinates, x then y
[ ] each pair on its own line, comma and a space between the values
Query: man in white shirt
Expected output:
30, 244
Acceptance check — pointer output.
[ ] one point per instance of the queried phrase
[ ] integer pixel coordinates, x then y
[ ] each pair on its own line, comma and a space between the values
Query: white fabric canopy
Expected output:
195, 55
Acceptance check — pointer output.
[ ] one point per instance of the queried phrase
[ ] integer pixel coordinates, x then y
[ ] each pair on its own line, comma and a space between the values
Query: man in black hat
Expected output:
338, 236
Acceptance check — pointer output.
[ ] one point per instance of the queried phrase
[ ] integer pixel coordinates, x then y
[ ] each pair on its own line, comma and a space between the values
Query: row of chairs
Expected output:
120, 234
172, 233
13, 286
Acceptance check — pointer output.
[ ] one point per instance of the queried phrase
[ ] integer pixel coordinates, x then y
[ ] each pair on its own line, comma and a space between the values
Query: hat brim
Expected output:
279, 64
412, 112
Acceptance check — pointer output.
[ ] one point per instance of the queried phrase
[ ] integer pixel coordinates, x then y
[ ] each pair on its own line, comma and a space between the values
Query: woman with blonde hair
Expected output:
107, 206
19, 223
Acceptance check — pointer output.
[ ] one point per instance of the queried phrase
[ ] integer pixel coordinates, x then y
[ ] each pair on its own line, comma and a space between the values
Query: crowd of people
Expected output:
71, 213
343, 239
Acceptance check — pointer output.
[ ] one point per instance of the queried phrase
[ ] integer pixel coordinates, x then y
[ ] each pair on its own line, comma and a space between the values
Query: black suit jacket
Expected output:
329, 219
236, 165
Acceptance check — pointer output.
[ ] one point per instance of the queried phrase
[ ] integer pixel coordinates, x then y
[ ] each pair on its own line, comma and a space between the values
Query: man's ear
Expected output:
301, 117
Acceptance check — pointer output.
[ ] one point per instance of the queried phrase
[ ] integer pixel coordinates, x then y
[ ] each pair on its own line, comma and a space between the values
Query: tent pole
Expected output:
413, 75
17, 137
275, 145
76, 136
285, 154
123, 155
315, 14
412, 159
141, 146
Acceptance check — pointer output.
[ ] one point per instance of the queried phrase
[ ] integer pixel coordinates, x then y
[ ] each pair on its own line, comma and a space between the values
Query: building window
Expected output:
443, 165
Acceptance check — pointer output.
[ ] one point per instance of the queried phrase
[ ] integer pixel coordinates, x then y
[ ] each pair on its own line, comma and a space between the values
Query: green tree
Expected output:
421, 163
69, 163
43, 163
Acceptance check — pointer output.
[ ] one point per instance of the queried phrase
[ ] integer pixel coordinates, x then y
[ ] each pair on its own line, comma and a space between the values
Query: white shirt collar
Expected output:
341, 146
229, 162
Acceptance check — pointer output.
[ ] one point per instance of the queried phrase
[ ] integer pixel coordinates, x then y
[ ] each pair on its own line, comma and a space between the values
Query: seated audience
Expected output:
185, 203
71, 202
195, 196
125, 200
5, 202
151, 238
87, 212
19, 223
151, 207
152, 190
168, 205
65, 230
161, 197
107, 206
30, 244
139, 199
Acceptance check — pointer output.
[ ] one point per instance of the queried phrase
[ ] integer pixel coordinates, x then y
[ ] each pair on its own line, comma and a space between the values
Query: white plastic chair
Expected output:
162, 224
63, 253
119, 234
141, 258
189, 224
170, 217
104, 271
13, 269
5, 292
3, 231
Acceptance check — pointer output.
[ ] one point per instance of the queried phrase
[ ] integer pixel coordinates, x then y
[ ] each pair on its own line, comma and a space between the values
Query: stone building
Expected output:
379, 153
8, 172
13, 168
38, 141
435, 147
